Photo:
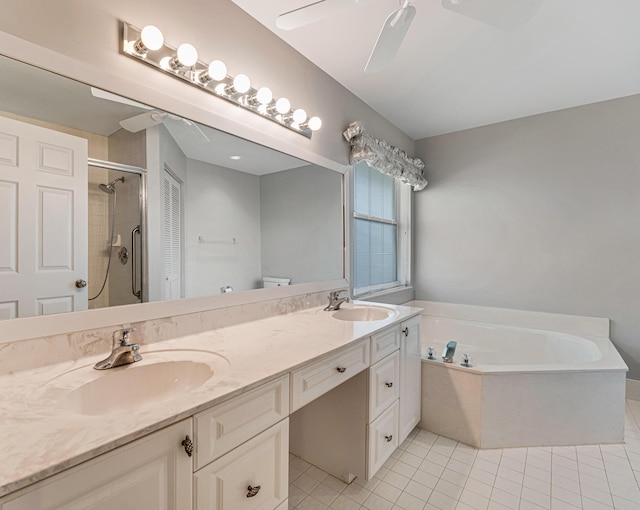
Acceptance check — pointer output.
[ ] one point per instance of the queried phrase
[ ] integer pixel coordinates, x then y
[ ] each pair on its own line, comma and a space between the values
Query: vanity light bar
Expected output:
148, 46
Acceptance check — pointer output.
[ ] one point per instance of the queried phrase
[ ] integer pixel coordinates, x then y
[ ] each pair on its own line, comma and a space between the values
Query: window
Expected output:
380, 231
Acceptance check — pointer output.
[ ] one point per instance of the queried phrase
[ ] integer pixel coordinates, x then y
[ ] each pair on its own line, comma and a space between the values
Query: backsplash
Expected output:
37, 352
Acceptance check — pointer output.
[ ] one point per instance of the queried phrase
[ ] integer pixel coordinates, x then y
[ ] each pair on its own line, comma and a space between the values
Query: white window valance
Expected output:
384, 157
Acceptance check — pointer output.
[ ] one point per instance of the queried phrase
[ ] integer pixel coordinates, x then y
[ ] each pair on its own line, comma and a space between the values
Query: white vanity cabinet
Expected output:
410, 376
406, 338
242, 451
253, 476
152, 473
351, 427
240, 457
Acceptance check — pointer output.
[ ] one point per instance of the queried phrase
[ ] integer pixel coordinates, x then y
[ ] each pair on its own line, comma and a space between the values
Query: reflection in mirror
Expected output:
105, 201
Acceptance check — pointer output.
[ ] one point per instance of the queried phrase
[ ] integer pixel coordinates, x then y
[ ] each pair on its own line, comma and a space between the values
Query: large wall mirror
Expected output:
105, 202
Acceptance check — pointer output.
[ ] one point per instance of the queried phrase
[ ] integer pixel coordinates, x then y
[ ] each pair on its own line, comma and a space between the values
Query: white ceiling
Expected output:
454, 72
255, 159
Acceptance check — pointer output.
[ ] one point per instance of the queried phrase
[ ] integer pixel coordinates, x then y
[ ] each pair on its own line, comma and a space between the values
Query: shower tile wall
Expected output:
129, 149
127, 218
98, 236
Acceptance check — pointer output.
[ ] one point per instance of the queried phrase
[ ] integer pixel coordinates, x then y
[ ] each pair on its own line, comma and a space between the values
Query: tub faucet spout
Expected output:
449, 351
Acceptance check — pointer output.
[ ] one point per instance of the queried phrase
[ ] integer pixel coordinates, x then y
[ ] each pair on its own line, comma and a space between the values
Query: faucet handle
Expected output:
335, 294
124, 338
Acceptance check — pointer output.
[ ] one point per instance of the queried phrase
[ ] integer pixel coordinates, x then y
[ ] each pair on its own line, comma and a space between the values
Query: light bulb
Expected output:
152, 38
314, 123
187, 55
299, 116
283, 105
241, 83
217, 70
264, 95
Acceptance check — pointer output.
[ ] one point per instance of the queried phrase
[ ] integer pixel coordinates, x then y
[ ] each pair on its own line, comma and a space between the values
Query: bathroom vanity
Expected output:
344, 393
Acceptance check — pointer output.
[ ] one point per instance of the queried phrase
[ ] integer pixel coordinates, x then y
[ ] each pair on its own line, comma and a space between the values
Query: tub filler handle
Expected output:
431, 353
466, 361
449, 351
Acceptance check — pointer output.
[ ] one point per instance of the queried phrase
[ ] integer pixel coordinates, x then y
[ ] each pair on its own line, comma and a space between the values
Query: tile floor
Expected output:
430, 472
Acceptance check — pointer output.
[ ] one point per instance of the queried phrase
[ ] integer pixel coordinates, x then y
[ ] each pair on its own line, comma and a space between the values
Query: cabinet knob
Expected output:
252, 491
405, 331
388, 384
188, 446
341, 369
389, 438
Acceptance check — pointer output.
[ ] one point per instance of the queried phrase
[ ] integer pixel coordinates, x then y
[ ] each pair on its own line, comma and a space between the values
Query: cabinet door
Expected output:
152, 473
384, 343
220, 429
410, 376
382, 439
383, 384
254, 476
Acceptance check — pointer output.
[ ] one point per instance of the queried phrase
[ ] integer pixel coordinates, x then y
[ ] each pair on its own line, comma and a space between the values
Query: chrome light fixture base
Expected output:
165, 59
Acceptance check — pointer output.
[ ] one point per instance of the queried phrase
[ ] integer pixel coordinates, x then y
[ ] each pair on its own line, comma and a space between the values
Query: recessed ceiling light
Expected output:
235, 158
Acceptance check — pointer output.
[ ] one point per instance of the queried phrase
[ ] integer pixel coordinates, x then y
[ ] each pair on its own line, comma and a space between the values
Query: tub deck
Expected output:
574, 394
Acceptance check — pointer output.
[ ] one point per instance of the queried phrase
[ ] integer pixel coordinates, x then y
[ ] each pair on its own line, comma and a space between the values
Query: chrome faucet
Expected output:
122, 352
449, 351
335, 301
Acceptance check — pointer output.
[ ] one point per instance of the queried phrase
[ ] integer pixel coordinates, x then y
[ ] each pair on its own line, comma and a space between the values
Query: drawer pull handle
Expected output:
253, 491
405, 331
341, 369
388, 384
188, 446
389, 438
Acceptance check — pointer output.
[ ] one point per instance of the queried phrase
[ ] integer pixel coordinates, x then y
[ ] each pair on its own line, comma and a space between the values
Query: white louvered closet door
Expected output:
172, 237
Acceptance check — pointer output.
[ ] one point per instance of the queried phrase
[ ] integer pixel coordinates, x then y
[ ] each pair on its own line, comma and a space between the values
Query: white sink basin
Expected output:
363, 313
161, 375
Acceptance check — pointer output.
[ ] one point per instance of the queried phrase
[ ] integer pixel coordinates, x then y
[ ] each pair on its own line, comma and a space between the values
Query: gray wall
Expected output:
221, 204
540, 213
301, 218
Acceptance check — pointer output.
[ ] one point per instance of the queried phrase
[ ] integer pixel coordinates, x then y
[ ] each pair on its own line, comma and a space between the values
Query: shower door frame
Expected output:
142, 172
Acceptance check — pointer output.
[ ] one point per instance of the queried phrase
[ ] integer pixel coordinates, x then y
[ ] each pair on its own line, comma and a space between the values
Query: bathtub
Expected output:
536, 379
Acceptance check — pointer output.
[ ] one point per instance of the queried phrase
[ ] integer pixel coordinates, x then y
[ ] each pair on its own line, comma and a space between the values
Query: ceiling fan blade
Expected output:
391, 36
143, 121
504, 14
109, 96
314, 12
197, 128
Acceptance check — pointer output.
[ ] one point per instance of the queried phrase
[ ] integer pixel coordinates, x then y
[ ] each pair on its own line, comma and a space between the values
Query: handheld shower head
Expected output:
110, 188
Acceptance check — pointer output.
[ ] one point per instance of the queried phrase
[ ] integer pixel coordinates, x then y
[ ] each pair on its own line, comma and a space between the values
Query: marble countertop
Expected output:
41, 436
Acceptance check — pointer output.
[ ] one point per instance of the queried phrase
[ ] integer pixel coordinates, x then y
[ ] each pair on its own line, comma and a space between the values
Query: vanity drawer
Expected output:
384, 343
384, 384
312, 381
382, 439
261, 464
225, 426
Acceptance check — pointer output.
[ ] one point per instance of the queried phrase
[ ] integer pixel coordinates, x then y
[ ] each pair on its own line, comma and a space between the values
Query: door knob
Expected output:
81, 284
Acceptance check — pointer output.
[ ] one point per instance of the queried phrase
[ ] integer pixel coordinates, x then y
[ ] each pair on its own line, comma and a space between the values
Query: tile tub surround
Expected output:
41, 438
572, 394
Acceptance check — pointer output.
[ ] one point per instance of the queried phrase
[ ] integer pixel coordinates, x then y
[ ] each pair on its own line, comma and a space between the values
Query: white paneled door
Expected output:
43, 220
